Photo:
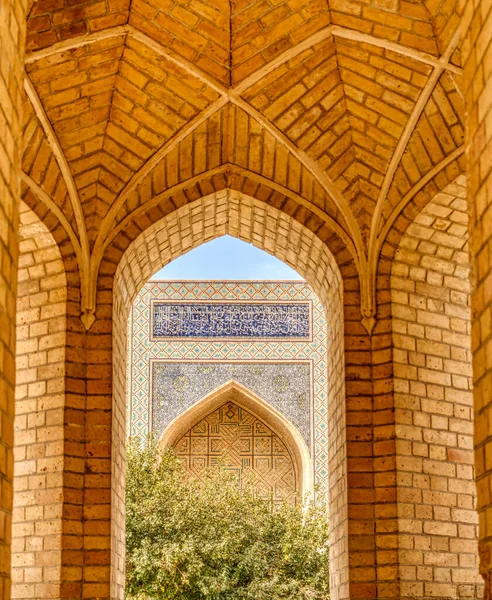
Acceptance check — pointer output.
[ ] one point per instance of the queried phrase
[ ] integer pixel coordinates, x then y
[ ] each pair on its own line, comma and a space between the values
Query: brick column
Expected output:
437, 520
12, 28
39, 413
477, 60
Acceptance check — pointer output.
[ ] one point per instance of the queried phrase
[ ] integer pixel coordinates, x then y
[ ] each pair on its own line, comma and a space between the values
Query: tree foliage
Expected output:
213, 541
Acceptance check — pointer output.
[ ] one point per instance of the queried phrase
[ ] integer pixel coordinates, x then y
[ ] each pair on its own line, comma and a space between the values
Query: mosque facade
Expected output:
189, 339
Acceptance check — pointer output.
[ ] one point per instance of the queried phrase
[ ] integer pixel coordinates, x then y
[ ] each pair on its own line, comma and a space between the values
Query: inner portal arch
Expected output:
235, 426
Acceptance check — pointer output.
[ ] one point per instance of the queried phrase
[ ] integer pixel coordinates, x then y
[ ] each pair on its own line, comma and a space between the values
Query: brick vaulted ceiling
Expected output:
348, 106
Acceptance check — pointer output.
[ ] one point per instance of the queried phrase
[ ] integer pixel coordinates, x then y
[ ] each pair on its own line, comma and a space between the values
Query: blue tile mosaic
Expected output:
178, 385
144, 351
225, 320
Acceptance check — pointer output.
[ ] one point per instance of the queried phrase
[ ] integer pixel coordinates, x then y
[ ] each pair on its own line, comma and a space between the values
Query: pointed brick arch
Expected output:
397, 79
267, 227
241, 182
327, 103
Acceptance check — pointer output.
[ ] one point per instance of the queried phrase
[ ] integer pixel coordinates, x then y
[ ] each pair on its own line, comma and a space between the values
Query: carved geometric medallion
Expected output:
245, 446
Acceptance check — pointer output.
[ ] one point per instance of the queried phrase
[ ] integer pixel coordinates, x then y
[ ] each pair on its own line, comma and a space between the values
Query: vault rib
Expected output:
231, 95
76, 42
157, 157
225, 168
312, 166
423, 57
373, 254
46, 199
227, 95
54, 144
316, 38
400, 207
176, 60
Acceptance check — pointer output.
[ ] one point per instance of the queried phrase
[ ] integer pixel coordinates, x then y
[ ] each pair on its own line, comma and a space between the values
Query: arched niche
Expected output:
239, 395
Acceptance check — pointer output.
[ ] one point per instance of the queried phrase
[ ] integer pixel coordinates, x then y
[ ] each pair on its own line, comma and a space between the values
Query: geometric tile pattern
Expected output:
178, 385
245, 447
144, 352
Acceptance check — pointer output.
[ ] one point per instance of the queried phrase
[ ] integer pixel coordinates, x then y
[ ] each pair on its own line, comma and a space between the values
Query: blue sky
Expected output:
226, 258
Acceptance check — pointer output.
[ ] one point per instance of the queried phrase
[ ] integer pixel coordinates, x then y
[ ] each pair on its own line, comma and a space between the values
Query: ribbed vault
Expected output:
349, 105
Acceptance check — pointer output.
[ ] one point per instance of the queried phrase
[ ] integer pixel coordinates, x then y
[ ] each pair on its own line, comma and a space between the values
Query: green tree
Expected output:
213, 541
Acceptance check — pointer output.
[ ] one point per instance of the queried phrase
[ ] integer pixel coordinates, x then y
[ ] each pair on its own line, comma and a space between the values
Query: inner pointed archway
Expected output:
232, 213
235, 427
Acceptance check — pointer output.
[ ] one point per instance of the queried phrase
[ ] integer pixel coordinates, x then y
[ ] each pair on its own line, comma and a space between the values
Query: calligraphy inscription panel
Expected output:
287, 321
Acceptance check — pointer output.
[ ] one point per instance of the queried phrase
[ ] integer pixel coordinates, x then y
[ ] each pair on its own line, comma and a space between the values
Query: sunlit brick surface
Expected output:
477, 52
40, 405
320, 131
12, 28
430, 294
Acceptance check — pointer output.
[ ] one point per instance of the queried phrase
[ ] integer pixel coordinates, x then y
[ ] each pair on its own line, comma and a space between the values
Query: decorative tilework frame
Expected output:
142, 349
309, 441
308, 338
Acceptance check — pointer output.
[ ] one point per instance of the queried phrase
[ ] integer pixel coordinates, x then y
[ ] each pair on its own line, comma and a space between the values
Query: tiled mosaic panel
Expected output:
227, 320
285, 386
246, 447
142, 350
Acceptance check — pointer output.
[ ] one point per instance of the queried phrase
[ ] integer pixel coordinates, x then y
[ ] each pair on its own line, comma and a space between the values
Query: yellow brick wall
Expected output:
477, 60
430, 293
40, 406
12, 28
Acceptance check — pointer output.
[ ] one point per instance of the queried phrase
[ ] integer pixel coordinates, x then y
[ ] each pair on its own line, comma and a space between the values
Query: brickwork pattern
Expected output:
477, 51
12, 29
346, 105
437, 521
39, 163
49, 22
355, 127
263, 30
438, 133
198, 31
111, 106
320, 97
40, 406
